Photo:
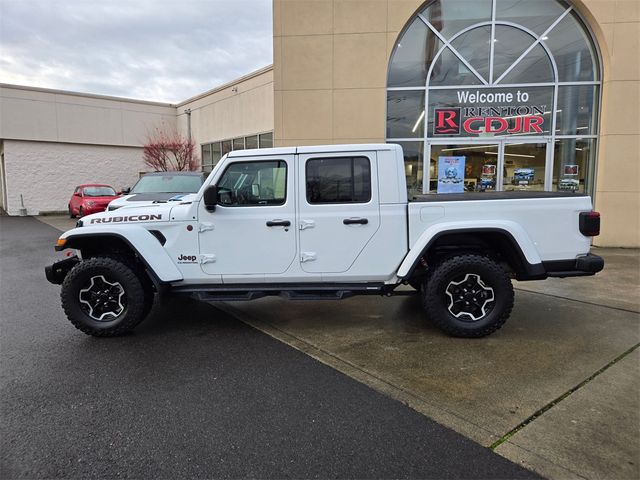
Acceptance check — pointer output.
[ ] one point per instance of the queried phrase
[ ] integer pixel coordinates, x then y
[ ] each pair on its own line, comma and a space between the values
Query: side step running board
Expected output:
223, 293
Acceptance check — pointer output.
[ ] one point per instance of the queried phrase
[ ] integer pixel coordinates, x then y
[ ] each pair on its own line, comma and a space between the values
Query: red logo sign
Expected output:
447, 121
489, 120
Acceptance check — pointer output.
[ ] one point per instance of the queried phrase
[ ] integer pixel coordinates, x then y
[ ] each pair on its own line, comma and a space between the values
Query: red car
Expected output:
90, 198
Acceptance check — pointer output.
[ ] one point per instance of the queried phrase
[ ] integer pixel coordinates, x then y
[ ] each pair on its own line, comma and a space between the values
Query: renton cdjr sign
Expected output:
489, 119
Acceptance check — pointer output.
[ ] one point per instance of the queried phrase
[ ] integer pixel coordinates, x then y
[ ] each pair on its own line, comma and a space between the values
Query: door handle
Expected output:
278, 223
355, 221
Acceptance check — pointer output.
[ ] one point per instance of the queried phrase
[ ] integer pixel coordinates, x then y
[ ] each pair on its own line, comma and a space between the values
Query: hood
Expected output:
102, 200
150, 197
152, 213
138, 199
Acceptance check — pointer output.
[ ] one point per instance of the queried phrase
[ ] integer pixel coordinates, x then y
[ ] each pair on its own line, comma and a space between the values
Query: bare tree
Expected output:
164, 151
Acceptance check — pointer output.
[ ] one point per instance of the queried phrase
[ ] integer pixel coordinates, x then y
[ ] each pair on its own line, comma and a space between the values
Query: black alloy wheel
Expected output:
468, 296
104, 297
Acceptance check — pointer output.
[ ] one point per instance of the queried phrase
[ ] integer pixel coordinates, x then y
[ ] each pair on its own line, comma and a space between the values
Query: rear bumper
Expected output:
585, 265
55, 273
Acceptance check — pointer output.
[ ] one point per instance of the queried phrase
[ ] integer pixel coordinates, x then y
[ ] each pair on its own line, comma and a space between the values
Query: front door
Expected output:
251, 233
338, 209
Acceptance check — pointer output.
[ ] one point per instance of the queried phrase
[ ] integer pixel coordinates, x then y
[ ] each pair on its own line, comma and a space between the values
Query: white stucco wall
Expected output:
45, 173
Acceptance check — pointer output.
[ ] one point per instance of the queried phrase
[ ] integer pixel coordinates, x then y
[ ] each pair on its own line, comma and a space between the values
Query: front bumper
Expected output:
55, 273
585, 265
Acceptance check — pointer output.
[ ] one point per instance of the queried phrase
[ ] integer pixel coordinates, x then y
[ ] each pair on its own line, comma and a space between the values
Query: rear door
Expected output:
338, 209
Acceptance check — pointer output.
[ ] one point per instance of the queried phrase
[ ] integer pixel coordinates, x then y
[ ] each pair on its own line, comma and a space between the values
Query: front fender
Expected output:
517, 233
139, 239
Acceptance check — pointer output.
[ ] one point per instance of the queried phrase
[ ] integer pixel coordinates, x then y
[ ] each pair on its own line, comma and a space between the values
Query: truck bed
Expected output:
545, 222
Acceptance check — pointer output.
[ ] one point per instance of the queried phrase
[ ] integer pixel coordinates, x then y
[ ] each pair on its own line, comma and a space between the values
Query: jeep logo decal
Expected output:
127, 218
187, 258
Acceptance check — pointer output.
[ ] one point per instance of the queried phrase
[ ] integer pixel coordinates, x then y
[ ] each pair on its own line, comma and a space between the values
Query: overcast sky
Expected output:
165, 50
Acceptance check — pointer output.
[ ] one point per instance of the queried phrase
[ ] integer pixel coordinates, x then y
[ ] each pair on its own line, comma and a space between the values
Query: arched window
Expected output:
507, 91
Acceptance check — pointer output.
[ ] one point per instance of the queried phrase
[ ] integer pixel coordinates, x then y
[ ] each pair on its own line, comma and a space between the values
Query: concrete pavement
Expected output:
555, 389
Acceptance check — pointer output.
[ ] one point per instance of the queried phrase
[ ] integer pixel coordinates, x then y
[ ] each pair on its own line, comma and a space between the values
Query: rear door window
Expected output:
338, 180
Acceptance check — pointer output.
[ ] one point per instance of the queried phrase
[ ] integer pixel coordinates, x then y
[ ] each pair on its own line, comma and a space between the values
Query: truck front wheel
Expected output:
104, 297
468, 296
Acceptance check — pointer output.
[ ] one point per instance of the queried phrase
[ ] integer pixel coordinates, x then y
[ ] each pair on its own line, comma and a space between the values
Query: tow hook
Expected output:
55, 273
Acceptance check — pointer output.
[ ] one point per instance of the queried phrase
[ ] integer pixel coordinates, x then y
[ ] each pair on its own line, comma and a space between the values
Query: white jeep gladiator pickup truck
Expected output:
325, 222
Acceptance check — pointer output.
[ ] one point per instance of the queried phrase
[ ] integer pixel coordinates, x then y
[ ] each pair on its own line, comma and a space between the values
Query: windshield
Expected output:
99, 192
168, 184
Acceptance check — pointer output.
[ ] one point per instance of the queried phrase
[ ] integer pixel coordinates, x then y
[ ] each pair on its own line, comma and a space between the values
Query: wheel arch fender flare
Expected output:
140, 240
518, 237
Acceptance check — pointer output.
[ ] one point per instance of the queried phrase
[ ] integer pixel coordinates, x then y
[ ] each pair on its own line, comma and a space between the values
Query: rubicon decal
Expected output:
127, 218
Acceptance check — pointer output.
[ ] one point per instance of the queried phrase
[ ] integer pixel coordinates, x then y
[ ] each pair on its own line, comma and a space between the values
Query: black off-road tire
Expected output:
135, 298
71, 215
437, 303
138, 269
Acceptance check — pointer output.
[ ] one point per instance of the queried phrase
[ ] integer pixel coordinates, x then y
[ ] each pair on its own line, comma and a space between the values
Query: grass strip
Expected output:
553, 403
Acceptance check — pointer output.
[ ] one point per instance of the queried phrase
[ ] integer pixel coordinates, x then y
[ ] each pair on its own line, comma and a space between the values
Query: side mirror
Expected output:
211, 197
77, 194
125, 190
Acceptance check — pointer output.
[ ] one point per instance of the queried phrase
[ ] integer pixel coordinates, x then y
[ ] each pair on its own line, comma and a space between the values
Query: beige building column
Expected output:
616, 26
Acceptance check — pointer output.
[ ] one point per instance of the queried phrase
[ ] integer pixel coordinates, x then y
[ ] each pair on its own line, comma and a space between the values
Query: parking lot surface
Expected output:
554, 390
192, 393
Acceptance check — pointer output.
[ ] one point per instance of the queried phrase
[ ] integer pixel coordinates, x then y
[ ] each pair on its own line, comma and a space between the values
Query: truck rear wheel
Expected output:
103, 297
468, 296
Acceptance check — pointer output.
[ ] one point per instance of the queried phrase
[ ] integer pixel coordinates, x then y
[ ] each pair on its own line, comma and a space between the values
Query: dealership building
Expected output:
535, 95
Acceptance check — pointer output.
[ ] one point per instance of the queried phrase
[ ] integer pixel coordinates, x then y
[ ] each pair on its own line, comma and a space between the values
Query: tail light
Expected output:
589, 224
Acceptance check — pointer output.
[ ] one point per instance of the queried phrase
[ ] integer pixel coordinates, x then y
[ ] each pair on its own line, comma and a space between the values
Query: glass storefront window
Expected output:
449, 17
503, 112
524, 166
577, 112
523, 79
535, 67
572, 169
405, 113
413, 56
536, 15
477, 170
413, 165
475, 46
450, 70
572, 50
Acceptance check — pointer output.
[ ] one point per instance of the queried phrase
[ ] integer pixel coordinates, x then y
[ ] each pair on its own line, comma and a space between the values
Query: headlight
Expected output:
90, 204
